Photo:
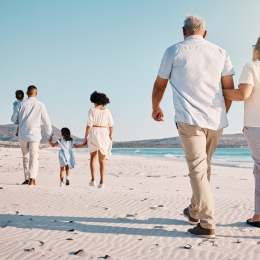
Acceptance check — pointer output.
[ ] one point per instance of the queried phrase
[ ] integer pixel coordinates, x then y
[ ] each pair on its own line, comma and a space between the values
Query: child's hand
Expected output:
50, 139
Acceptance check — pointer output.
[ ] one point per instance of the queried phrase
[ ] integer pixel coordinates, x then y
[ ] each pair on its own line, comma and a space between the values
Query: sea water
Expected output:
236, 157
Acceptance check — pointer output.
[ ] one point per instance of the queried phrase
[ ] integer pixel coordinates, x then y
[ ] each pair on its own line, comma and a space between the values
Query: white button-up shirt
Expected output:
194, 68
29, 114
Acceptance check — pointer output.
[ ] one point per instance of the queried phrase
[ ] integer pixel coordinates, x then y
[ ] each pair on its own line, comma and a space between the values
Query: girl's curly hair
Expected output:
99, 98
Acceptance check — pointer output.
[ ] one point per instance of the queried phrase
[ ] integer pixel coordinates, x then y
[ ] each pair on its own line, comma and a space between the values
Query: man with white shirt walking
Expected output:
197, 70
29, 114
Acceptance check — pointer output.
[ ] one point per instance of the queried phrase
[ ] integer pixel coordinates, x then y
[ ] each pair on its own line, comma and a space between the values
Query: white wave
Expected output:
169, 155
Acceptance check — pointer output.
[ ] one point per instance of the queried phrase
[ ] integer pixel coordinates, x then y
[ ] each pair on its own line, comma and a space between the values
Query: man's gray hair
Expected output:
194, 23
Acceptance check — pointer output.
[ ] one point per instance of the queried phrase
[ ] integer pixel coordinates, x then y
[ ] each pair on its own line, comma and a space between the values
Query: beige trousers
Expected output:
252, 135
199, 144
30, 151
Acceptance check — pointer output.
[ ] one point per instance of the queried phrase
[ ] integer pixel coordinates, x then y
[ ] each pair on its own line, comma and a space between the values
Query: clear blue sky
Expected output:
69, 49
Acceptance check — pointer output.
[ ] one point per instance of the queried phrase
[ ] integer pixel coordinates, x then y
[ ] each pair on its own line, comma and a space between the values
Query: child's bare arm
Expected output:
79, 145
52, 144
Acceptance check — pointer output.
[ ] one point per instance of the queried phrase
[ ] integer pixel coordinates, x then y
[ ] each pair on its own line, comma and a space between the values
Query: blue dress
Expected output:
66, 155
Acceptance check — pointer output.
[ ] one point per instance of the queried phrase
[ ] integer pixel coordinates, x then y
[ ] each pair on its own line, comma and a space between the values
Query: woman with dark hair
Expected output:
66, 156
249, 91
97, 136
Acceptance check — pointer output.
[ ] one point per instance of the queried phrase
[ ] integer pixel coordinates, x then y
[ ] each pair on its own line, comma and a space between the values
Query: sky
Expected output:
70, 48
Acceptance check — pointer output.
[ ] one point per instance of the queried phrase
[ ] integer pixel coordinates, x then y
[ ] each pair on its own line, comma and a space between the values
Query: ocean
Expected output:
235, 157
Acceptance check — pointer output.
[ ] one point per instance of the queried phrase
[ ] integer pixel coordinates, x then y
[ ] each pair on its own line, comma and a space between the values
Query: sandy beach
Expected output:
137, 216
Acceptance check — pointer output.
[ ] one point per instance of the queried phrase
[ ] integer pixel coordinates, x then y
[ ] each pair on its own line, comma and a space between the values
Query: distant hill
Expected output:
7, 134
226, 141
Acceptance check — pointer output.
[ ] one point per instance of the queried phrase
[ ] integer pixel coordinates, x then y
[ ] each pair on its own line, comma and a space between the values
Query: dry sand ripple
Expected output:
137, 216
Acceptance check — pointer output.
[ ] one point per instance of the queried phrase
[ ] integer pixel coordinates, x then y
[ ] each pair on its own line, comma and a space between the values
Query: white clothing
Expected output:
30, 113
99, 117
194, 68
16, 102
251, 75
98, 139
30, 166
66, 155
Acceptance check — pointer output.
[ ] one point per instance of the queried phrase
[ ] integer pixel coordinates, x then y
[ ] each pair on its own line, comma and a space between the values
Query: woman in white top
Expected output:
97, 136
249, 90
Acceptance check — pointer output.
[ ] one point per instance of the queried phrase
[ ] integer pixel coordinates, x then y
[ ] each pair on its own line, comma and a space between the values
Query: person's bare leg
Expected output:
255, 218
102, 164
67, 175
62, 170
93, 157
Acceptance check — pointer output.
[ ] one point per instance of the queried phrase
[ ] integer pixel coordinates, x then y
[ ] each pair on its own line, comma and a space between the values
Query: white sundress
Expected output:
66, 155
98, 139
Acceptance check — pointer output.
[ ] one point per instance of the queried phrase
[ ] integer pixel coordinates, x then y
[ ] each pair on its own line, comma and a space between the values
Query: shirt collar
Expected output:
194, 37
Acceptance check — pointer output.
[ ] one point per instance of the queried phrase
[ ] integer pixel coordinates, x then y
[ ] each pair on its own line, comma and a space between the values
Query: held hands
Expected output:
85, 142
50, 139
158, 115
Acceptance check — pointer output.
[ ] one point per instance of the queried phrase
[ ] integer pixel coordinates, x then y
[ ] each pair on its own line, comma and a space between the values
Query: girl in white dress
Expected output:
66, 155
99, 135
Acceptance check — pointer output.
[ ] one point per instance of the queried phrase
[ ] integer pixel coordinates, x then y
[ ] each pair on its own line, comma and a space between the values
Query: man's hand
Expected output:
157, 114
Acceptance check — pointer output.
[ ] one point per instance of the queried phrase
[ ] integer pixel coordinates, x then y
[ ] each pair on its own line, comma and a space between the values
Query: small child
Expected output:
19, 98
66, 156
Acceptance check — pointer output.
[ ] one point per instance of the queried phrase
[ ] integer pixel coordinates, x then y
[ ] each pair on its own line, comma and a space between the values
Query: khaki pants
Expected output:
30, 151
252, 135
199, 144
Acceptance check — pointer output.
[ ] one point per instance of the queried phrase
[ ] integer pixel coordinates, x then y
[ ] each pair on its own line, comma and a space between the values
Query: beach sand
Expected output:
137, 216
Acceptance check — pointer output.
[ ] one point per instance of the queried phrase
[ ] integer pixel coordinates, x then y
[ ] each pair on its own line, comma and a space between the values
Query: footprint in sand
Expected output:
157, 207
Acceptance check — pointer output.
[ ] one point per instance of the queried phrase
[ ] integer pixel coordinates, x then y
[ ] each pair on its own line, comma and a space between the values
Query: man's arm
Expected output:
46, 121
227, 83
159, 87
242, 93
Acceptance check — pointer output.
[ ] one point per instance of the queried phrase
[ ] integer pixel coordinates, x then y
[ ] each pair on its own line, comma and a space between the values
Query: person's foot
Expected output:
202, 232
32, 181
192, 221
92, 183
67, 182
253, 223
25, 182
61, 184
101, 186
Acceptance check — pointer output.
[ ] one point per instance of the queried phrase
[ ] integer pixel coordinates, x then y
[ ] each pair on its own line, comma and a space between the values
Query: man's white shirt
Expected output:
194, 68
30, 113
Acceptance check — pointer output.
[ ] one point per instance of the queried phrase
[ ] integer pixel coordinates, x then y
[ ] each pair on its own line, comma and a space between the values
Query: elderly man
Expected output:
29, 114
198, 71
